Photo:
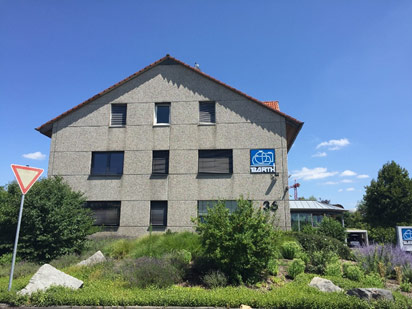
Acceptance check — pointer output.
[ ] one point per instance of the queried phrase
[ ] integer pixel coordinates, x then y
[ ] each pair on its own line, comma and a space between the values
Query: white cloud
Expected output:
362, 176
347, 180
334, 144
35, 156
330, 183
319, 154
348, 173
314, 173
350, 189
340, 190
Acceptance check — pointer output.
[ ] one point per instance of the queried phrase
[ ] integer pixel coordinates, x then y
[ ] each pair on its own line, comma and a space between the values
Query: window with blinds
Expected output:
207, 112
105, 213
118, 117
203, 206
216, 161
160, 162
107, 163
158, 213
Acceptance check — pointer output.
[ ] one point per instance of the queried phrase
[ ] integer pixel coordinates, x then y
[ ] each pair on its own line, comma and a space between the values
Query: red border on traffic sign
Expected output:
15, 169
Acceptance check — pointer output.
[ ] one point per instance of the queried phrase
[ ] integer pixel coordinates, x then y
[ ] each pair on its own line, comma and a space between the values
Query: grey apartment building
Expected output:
165, 143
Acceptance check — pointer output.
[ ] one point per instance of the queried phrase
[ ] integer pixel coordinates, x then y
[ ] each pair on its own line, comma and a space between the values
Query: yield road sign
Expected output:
26, 176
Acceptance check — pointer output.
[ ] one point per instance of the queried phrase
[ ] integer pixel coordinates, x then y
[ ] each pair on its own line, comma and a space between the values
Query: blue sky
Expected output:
342, 67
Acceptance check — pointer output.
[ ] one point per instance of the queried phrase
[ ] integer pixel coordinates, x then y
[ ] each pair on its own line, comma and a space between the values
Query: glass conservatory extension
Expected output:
312, 213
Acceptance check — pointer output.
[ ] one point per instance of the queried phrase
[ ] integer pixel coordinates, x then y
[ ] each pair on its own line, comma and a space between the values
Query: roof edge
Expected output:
46, 128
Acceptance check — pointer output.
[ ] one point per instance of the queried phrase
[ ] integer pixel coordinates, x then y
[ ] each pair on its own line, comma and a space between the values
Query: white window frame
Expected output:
155, 114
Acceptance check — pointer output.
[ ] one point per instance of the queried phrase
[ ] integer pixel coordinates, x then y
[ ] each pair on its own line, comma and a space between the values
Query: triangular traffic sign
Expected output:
26, 176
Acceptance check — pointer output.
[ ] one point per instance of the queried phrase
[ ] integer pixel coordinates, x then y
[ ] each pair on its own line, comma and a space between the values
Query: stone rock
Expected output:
48, 276
324, 285
370, 294
245, 307
96, 258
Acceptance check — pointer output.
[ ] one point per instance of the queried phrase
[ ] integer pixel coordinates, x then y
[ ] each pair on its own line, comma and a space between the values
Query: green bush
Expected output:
407, 273
312, 243
54, 221
150, 272
295, 268
333, 269
120, 249
240, 243
405, 287
332, 228
273, 267
353, 272
319, 260
373, 281
214, 279
290, 249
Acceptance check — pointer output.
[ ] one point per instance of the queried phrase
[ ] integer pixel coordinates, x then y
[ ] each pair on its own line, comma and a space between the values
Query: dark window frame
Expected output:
124, 116
208, 154
156, 122
159, 204
207, 109
160, 154
93, 205
108, 165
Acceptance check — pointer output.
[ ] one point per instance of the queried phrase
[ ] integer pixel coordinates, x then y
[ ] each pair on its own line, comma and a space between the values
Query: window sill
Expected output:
100, 177
124, 126
213, 175
158, 176
161, 124
206, 124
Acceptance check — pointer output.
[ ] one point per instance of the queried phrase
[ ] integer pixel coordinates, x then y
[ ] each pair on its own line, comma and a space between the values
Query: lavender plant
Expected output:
376, 258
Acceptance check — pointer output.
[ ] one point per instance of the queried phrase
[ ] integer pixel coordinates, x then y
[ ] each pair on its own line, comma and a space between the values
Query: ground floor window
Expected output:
105, 213
158, 213
202, 207
301, 219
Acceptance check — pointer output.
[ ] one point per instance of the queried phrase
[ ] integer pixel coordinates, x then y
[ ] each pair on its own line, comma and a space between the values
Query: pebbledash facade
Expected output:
165, 143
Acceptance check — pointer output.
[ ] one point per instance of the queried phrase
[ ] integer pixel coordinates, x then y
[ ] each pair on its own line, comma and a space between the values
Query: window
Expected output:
118, 117
207, 112
158, 213
160, 163
202, 207
216, 161
162, 113
105, 213
107, 163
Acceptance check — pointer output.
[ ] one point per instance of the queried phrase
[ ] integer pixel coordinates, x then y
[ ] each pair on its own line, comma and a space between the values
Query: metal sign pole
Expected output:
16, 241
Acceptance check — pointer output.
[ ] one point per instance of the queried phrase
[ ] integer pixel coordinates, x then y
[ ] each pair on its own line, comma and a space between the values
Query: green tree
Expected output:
332, 228
241, 243
388, 200
54, 221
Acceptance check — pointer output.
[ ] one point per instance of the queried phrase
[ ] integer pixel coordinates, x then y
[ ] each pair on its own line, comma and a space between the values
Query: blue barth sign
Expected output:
262, 161
404, 237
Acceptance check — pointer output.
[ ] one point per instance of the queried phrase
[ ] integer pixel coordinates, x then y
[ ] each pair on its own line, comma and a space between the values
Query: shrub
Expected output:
407, 273
290, 249
312, 243
372, 281
273, 267
405, 287
214, 279
333, 269
319, 260
332, 228
353, 272
150, 272
240, 243
295, 268
65, 261
54, 221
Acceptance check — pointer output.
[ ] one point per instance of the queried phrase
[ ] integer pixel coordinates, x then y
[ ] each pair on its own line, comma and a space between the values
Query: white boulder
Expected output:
96, 258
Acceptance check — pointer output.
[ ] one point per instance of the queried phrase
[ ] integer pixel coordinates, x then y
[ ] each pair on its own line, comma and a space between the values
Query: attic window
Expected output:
207, 112
118, 116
